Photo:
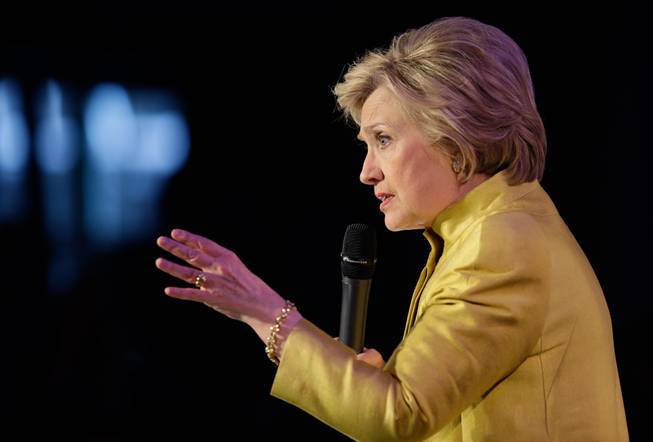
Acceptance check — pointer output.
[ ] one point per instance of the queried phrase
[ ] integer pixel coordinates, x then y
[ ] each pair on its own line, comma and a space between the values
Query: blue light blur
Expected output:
163, 143
57, 139
135, 143
14, 151
57, 154
128, 145
111, 129
14, 136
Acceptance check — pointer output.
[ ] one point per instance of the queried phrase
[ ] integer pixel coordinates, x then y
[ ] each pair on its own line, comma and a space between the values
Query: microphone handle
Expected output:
353, 311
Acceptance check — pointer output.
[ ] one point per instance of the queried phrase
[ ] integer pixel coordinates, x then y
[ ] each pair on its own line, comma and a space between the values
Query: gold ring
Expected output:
199, 280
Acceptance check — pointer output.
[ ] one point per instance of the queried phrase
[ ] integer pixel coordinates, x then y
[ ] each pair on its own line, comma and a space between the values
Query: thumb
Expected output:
372, 357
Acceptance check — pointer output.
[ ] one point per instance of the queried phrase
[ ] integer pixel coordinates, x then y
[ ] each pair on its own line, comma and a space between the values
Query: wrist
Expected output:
279, 331
262, 328
286, 328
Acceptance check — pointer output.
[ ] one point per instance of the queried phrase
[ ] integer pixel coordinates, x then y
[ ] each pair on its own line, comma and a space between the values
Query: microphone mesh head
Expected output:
359, 251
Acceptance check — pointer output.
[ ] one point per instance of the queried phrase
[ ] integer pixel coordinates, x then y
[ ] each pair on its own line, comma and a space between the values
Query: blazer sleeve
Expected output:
482, 314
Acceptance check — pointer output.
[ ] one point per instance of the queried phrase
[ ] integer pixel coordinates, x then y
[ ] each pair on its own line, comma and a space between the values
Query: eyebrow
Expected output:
368, 129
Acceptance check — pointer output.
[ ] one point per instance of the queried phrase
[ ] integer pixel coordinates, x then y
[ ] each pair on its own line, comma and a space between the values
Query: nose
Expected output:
371, 173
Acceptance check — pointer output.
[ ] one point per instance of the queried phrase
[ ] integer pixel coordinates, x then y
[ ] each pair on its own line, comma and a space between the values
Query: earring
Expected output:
456, 166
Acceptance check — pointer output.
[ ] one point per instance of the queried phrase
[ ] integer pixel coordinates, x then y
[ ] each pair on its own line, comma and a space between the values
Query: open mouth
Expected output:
385, 200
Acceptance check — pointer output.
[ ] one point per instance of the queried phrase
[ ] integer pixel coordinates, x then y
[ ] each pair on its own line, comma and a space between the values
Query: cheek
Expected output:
430, 191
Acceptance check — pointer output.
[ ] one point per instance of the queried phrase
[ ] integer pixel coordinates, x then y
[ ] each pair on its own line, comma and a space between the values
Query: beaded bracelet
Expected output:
271, 347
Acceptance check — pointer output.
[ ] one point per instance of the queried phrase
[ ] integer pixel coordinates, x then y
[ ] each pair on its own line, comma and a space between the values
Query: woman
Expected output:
508, 335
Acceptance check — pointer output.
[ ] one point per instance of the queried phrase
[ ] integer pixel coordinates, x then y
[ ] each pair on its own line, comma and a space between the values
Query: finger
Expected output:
191, 256
199, 242
184, 273
190, 294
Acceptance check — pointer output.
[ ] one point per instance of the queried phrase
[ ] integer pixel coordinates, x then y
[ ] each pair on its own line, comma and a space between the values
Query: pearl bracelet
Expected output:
271, 347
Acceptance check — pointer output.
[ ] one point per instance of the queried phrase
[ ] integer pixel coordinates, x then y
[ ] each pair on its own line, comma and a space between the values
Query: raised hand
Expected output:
221, 280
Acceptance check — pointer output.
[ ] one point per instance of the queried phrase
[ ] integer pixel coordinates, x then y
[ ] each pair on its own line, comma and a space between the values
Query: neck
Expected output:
474, 181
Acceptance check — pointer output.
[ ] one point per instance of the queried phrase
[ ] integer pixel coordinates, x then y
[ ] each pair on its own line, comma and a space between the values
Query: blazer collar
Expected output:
489, 196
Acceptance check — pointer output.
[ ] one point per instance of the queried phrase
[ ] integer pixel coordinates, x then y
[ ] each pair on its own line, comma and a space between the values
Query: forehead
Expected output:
382, 108
382, 104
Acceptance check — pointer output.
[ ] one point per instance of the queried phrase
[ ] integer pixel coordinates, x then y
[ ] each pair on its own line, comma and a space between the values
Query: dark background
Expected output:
273, 175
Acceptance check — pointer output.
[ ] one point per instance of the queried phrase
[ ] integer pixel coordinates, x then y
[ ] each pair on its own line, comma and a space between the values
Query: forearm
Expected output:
324, 378
437, 371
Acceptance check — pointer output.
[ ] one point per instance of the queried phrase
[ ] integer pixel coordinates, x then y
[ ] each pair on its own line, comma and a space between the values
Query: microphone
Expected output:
358, 259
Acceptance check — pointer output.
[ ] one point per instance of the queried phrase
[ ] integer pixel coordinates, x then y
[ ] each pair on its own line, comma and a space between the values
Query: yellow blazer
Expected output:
508, 338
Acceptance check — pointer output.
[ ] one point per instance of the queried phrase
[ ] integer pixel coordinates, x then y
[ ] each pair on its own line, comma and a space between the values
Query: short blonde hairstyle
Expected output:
467, 85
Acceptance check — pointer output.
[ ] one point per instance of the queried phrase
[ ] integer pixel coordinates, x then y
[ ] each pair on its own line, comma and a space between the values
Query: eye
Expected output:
383, 140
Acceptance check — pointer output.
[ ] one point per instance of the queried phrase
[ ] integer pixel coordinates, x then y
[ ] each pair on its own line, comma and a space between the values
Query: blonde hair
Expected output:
466, 84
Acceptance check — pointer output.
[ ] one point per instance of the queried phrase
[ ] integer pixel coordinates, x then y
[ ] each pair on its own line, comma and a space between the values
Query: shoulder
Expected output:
497, 273
507, 241
510, 229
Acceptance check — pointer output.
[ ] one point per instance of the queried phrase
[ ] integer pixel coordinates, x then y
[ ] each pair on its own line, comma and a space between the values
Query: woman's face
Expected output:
413, 180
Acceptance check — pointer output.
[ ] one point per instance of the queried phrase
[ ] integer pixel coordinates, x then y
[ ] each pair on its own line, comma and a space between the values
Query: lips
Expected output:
385, 198
385, 203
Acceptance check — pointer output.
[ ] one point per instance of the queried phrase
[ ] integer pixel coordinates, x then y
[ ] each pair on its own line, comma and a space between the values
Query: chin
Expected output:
395, 225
